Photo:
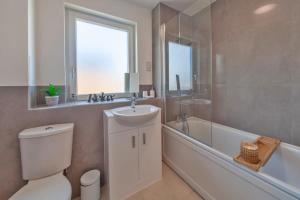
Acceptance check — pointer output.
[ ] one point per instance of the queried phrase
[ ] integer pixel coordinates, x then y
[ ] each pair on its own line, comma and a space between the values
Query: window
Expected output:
180, 63
100, 53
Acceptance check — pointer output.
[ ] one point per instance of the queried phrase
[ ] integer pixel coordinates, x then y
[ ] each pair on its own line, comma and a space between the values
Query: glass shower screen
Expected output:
187, 74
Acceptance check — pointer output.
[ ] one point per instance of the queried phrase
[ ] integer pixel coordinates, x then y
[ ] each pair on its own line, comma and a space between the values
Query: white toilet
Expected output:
46, 152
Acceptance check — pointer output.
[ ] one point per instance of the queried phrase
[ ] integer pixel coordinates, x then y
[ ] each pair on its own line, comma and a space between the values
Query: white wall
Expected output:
50, 38
50, 59
13, 43
31, 43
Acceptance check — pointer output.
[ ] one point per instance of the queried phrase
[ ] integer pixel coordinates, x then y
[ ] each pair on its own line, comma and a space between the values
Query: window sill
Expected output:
85, 103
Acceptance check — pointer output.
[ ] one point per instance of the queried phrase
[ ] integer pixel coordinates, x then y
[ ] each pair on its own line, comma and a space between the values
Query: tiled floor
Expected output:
171, 187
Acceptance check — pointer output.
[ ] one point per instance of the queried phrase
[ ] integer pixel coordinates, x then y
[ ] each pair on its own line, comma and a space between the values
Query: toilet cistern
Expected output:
45, 153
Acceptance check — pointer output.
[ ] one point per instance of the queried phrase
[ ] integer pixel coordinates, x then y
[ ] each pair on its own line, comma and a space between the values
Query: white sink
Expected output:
140, 114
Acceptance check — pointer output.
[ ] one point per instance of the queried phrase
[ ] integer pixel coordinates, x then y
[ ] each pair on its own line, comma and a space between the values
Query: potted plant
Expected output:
52, 95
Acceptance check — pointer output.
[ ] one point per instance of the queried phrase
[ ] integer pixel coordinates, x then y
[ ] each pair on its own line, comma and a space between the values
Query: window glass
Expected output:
102, 58
180, 63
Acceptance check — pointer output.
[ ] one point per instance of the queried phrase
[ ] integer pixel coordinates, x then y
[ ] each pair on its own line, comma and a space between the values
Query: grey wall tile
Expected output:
295, 137
219, 109
256, 67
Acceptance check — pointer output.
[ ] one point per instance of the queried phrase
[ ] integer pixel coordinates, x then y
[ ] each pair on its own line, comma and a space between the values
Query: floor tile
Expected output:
171, 187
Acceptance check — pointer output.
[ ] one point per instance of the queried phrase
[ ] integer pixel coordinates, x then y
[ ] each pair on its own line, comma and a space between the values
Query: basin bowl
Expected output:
135, 116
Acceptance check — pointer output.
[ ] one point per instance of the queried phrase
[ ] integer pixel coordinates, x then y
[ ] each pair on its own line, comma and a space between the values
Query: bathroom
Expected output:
218, 72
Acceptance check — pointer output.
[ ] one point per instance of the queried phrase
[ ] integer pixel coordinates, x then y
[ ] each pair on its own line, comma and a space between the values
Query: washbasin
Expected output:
134, 116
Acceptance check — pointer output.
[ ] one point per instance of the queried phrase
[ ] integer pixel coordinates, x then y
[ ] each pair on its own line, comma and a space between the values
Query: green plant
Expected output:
51, 90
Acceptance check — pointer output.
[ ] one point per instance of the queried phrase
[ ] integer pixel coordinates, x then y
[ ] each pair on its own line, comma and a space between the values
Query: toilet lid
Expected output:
53, 187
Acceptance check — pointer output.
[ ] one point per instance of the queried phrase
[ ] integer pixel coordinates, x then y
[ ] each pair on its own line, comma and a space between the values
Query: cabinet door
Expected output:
123, 163
151, 158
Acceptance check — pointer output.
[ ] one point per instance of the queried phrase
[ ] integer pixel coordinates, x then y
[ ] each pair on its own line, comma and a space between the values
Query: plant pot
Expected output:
52, 100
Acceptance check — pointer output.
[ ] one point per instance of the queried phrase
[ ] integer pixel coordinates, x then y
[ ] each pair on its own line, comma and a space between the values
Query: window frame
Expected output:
71, 17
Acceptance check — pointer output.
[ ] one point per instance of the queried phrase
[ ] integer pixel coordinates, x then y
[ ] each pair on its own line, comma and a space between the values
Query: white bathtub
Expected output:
198, 131
212, 172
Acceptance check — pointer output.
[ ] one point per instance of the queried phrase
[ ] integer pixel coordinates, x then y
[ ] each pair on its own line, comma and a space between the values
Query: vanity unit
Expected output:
133, 158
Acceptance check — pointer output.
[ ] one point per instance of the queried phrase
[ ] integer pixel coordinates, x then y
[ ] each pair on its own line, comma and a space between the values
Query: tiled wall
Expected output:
257, 67
88, 136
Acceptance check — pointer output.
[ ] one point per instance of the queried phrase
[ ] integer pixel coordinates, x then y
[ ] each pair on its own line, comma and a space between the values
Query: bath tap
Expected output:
183, 117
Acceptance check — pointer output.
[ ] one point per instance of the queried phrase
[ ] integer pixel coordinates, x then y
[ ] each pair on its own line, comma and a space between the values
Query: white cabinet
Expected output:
133, 158
150, 148
124, 162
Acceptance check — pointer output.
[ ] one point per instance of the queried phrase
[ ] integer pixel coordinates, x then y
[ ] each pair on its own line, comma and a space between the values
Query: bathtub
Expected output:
209, 168
198, 131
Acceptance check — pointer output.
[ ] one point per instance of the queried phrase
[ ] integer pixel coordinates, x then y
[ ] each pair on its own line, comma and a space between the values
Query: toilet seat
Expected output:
56, 187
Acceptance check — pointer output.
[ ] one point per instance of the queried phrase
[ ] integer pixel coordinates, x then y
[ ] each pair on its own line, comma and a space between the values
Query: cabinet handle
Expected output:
144, 138
133, 141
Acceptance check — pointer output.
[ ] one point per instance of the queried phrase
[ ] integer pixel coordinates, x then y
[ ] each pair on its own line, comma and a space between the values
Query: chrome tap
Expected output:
183, 118
133, 101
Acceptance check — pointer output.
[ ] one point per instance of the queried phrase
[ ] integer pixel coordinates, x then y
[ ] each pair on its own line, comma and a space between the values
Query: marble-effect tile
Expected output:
256, 67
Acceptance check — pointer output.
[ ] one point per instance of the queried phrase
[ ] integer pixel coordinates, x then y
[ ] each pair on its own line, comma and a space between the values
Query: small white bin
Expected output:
90, 185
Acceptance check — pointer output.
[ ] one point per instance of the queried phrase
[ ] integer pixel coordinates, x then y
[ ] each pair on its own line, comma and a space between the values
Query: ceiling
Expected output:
179, 5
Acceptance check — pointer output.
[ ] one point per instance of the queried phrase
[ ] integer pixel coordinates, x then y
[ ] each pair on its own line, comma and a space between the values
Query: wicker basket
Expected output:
249, 152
